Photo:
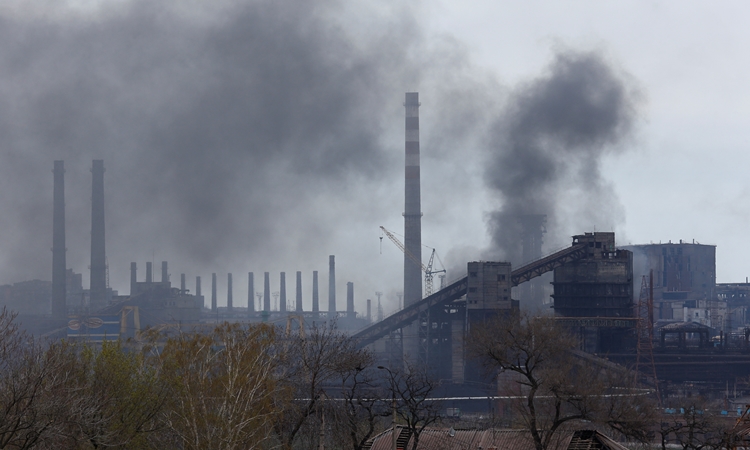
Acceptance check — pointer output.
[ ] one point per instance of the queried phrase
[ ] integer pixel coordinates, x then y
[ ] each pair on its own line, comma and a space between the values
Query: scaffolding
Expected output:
644, 360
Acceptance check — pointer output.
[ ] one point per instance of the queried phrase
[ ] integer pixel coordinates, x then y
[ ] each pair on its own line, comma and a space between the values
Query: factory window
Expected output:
501, 278
472, 274
472, 289
598, 245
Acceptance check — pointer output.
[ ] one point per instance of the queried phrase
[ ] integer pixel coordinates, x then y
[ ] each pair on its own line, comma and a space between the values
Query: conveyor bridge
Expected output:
458, 289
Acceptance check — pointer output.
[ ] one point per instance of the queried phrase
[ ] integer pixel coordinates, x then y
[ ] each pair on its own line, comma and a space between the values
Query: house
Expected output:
450, 439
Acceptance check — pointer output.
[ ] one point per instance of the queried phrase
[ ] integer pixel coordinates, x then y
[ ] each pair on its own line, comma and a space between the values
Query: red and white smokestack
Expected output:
282, 293
59, 268
412, 206
298, 302
230, 301
331, 286
214, 306
412, 222
250, 292
98, 286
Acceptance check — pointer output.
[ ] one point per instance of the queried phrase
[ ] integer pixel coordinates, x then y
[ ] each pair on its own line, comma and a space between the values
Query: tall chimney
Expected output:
133, 277
183, 286
369, 311
198, 292
412, 207
250, 293
350, 299
299, 292
98, 287
412, 223
164, 272
315, 301
331, 286
214, 306
59, 268
149, 272
282, 293
266, 292
230, 302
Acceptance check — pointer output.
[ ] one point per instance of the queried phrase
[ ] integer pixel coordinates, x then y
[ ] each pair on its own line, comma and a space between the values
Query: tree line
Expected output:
239, 386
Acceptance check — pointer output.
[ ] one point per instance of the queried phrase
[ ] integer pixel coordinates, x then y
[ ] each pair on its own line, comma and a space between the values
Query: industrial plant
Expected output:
655, 307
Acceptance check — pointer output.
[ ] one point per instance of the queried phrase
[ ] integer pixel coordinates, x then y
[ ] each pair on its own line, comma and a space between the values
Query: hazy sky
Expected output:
261, 136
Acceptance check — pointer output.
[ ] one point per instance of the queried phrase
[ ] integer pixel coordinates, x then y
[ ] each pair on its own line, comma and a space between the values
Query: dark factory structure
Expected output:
597, 292
684, 280
99, 295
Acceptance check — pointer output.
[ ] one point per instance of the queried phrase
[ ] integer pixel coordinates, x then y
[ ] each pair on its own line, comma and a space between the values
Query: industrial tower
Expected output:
412, 222
98, 289
59, 307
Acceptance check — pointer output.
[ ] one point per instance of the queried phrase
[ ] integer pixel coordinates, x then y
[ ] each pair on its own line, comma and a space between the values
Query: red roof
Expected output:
443, 439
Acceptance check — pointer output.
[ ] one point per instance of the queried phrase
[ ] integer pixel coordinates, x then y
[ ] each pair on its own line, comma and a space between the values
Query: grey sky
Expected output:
259, 137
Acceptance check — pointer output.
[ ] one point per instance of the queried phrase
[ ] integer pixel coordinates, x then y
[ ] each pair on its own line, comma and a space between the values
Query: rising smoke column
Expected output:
550, 142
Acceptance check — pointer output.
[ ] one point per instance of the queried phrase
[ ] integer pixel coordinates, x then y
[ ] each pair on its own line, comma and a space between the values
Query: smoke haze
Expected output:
264, 136
548, 148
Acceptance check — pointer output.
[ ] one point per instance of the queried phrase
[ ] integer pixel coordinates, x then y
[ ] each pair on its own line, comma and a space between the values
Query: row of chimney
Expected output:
266, 294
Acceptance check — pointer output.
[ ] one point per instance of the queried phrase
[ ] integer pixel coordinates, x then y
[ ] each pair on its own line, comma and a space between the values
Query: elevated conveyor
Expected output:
458, 289
409, 314
548, 263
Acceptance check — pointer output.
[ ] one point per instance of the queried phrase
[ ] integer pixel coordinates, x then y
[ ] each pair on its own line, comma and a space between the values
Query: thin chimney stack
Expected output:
250, 293
98, 287
331, 286
299, 292
214, 306
230, 301
59, 268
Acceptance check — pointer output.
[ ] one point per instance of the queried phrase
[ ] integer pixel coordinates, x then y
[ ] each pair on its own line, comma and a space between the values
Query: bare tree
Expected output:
694, 427
224, 386
411, 388
314, 363
31, 380
550, 388
361, 408
111, 397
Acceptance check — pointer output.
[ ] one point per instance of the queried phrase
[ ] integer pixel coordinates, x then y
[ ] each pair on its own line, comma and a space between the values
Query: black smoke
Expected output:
250, 135
548, 150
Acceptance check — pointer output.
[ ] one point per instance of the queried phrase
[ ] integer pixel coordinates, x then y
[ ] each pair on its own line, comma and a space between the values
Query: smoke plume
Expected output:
548, 149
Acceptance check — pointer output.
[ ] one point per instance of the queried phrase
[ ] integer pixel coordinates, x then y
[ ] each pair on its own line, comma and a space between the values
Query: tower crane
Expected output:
428, 272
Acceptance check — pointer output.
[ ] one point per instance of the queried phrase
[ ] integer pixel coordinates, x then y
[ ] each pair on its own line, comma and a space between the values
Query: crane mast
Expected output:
428, 272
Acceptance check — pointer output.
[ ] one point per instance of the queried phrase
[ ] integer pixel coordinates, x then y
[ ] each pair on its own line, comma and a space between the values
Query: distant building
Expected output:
27, 297
684, 277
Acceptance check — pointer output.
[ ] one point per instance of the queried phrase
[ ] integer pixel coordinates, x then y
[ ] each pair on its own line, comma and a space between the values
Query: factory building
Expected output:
597, 290
684, 275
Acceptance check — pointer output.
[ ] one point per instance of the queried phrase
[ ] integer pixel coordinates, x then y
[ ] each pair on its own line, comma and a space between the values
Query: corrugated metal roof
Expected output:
448, 439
